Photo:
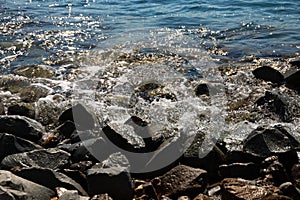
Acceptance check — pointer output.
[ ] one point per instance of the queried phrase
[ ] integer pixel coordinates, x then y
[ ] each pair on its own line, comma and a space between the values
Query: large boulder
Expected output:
49, 178
267, 73
21, 126
293, 81
181, 180
10, 144
33, 93
13, 187
45, 158
24, 109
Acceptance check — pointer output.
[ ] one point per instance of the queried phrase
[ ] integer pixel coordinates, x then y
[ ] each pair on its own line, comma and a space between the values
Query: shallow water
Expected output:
53, 32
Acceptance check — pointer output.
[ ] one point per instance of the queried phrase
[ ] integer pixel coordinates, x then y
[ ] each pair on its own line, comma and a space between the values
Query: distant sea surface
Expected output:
51, 32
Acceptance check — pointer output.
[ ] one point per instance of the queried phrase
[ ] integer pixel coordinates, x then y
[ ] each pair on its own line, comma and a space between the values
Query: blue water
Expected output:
48, 31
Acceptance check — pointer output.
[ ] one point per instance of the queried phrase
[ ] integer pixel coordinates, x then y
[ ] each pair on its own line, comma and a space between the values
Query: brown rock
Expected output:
181, 181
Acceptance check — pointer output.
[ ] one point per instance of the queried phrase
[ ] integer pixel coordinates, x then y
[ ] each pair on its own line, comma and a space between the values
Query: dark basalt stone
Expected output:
10, 144
13, 187
248, 171
293, 81
110, 180
50, 179
78, 114
295, 63
22, 126
181, 180
279, 104
24, 109
202, 89
266, 141
267, 73
45, 158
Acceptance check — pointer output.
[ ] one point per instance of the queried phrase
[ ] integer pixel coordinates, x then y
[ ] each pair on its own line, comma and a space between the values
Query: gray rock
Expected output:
114, 160
45, 158
69, 195
10, 144
50, 179
267, 73
33, 93
115, 181
21, 126
181, 180
13, 83
16, 188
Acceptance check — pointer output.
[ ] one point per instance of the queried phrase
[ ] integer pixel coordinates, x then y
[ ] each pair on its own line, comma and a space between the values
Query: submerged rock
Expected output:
21, 126
267, 73
45, 158
38, 71
33, 93
50, 179
13, 83
10, 144
14, 187
181, 180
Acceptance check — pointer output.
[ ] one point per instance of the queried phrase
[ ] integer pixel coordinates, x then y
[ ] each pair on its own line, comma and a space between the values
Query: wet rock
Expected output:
23, 109
2, 110
288, 189
274, 171
45, 158
265, 141
279, 104
15, 188
38, 71
293, 81
202, 89
64, 194
267, 73
110, 180
78, 114
33, 93
22, 126
209, 162
237, 188
181, 181
66, 129
13, 83
101, 197
295, 63
49, 178
295, 172
248, 171
10, 144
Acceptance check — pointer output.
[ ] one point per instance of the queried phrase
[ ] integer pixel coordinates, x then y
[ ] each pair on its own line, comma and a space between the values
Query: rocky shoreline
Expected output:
44, 156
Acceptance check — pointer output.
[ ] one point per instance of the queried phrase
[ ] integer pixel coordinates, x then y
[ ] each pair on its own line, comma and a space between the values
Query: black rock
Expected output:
16, 188
66, 129
280, 104
295, 174
288, 189
77, 176
295, 63
248, 171
181, 180
49, 178
267, 73
78, 114
293, 81
266, 141
10, 144
115, 181
21, 126
242, 157
24, 109
202, 89
2, 111
45, 158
